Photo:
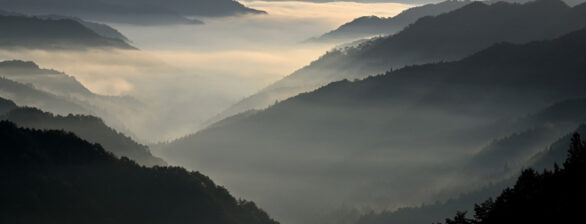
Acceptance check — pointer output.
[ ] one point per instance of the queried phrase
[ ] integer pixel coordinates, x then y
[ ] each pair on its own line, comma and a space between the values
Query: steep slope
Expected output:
101, 29
28, 95
6, 106
208, 8
362, 134
442, 38
543, 143
431, 213
548, 197
47, 80
89, 128
55, 177
118, 111
140, 12
38, 33
368, 26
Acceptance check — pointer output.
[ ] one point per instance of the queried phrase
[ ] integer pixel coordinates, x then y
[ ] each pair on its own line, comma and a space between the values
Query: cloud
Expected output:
189, 73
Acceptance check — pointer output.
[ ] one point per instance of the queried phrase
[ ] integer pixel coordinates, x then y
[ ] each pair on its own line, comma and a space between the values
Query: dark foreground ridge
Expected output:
55, 177
556, 196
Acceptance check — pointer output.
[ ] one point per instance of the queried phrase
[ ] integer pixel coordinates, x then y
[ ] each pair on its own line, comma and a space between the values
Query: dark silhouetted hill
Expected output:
87, 127
38, 33
55, 177
101, 29
117, 111
551, 196
140, 12
447, 37
6, 106
209, 8
368, 26
543, 143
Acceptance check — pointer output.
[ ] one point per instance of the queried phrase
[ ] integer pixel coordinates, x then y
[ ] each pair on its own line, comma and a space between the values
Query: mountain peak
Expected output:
549, 4
18, 64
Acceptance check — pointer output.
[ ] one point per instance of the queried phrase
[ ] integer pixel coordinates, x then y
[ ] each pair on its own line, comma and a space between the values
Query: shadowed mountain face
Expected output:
6, 105
28, 95
101, 29
24, 82
47, 80
194, 7
431, 39
368, 26
538, 197
141, 12
354, 138
87, 127
539, 141
55, 177
39, 33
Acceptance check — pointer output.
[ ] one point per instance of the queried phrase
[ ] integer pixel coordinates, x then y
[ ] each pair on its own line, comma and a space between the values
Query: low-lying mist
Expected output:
186, 74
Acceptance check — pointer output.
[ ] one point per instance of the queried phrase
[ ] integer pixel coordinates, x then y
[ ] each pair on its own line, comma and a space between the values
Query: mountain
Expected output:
59, 93
431, 213
538, 197
101, 29
569, 2
368, 26
28, 95
431, 39
47, 80
207, 8
6, 105
38, 33
89, 128
139, 12
353, 138
543, 142
55, 177
419, 2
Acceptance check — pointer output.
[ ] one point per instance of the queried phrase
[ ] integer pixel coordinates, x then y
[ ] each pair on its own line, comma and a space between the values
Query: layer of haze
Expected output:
189, 73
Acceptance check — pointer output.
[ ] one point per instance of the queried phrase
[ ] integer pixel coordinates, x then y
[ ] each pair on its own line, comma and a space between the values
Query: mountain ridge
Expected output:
56, 177
416, 110
37, 33
431, 39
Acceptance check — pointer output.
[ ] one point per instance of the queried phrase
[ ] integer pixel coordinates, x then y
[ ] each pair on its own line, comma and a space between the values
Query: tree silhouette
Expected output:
556, 196
55, 177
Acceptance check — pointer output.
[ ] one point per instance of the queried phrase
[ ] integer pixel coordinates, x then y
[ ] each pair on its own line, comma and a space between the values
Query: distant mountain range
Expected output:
55, 32
27, 84
47, 80
89, 128
355, 137
141, 12
99, 28
368, 26
28, 95
431, 39
56, 177
544, 142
